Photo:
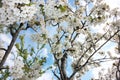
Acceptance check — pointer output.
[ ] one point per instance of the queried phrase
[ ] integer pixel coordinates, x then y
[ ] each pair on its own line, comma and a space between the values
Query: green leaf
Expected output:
91, 19
21, 38
25, 51
22, 41
63, 8
75, 20
26, 68
29, 4
42, 46
25, 56
17, 45
32, 50
44, 36
41, 72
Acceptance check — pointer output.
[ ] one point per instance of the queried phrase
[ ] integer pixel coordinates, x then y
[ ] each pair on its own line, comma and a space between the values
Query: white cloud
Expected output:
46, 76
113, 3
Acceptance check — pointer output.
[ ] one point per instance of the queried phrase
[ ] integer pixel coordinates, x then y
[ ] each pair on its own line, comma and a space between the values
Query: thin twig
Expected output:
90, 48
14, 37
3, 49
55, 75
80, 67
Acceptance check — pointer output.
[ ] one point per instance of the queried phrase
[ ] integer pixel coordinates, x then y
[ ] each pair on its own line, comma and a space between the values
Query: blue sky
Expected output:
48, 75
93, 72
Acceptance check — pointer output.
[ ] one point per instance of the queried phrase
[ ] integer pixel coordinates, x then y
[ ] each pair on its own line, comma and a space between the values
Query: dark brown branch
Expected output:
90, 48
102, 60
119, 43
3, 49
105, 59
29, 26
61, 37
118, 71
49, 43
14, 37
57, 61
80, 67
70, 9
118, 66
99, 48
56, 75
53, 24
71, 35
63, 66
11, 30
72, 40
83, 24
74, 37
4, 68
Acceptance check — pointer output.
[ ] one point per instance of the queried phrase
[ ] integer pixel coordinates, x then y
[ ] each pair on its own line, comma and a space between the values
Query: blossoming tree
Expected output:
67, 31
113, 73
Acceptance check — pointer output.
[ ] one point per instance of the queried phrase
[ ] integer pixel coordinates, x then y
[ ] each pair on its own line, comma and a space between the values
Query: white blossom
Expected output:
16, 71
52, 10
33, 74
12, 11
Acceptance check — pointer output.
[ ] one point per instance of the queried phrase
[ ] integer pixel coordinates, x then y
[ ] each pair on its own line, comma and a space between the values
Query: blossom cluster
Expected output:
72, 23
73, 34
110, 74
16, 11
33, 73
54, 10
17, 70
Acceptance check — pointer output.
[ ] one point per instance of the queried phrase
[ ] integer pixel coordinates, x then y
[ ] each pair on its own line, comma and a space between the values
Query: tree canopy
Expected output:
74, 32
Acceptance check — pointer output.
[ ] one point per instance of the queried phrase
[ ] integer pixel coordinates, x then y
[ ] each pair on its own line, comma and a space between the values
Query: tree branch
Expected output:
56, 75
3, 49
75, 37
14, 37
118, 66
90, 48
63, 66
99, 49
102, 60
4, 68
80, 67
